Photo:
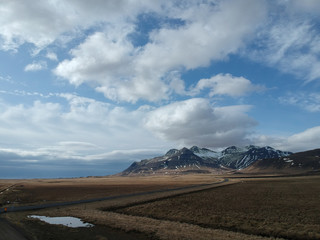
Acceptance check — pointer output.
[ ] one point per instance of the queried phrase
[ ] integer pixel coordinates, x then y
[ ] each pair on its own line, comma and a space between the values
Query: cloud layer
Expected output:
196, 122
94, 81
43, 23
307, 101
82, 119
290, 41
302, 141
121, 71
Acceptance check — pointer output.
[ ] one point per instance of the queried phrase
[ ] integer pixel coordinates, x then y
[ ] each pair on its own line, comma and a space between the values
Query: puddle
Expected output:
66, 221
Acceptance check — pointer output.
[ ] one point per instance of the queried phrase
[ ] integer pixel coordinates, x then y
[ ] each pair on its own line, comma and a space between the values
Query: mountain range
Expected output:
301, 162
203, 160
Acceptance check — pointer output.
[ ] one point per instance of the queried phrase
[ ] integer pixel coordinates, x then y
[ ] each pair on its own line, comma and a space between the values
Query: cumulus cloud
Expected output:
99, 58
42, 23
211, 33
25, 21
106, 61
110, 62
35, 66
196, 122
226, 84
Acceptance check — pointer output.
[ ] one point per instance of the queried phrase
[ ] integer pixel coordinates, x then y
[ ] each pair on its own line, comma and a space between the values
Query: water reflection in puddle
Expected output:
66, 221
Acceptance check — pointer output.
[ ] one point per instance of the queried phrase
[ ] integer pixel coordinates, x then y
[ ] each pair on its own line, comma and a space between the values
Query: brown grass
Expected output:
287, 207
155, 229
92, 213
161, 229
33, 191
268, 208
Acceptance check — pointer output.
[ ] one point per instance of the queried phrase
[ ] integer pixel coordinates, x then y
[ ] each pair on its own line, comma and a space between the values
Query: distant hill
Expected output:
302, 162
203, 160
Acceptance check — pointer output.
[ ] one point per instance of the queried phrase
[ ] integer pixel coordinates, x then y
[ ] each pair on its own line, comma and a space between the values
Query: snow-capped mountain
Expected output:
205, 152
239, 158
203, 160
183, 160
297, 163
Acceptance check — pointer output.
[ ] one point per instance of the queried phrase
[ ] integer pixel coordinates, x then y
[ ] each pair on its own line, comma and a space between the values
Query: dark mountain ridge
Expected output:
173, 160
203, 160
304, 162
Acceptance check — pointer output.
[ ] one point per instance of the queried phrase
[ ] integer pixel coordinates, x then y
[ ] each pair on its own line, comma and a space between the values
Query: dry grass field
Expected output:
22, 192
282, 207
250, 209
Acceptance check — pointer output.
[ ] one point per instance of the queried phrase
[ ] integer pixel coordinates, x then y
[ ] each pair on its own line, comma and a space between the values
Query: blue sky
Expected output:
86, 88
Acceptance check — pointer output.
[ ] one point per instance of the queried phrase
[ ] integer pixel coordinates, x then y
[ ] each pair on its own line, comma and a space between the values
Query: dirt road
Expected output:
8, 232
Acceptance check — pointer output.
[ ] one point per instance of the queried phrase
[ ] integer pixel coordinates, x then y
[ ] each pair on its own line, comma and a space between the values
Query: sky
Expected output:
88, 87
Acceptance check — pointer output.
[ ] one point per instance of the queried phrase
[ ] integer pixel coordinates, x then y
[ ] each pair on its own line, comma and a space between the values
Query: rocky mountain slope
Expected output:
238, 158
203, 160
302, 162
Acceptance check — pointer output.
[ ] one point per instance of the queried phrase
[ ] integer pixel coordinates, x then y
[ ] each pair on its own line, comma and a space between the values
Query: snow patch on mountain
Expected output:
205, 153
197, 158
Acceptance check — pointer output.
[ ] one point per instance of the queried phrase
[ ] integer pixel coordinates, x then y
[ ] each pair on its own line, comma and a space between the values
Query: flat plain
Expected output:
242, 208
21, 192
283, 207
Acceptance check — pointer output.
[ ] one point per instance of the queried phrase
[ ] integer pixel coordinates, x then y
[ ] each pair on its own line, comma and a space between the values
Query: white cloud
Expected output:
82, 120
290, 41
7, 79
108, 61
35, 66
306, 101
52, 56
100, 58
211, 32
302, 141
226, 84
196, 122
124, 155
308, 139
42, 23
26, 21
